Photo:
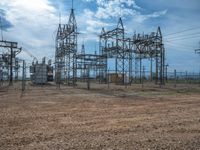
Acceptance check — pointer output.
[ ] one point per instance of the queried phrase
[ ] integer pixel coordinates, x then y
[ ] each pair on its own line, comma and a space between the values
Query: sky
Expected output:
33, 24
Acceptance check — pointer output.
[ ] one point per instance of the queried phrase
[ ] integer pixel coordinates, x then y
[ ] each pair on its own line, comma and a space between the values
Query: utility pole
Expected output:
143, 76
197, 51
151, 69
11, 64
108, 81
175, 78
11, 46
140, 70
88, 77
23, 76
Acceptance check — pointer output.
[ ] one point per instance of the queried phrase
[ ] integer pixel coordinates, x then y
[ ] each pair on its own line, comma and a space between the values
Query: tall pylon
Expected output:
66, 49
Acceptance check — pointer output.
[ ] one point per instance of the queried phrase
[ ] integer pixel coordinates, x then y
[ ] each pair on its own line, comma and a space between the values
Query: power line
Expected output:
179, 46
189, 29
29, 53
183, 35
177, 39
179, 43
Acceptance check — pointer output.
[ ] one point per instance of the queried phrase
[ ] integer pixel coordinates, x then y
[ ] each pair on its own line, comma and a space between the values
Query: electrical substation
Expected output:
107, 75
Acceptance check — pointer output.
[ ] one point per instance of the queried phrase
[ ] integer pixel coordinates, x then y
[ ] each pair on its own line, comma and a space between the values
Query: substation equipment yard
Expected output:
89, 106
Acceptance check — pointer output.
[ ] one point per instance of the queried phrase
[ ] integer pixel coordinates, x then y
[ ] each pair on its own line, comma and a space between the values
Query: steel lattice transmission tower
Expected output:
66, 51
150, 46
113, 44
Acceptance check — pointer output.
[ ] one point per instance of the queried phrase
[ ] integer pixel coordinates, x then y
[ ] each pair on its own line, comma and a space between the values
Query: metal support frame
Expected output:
66, 51
151, 46
113, 44
93, 61
11, 57
23, 76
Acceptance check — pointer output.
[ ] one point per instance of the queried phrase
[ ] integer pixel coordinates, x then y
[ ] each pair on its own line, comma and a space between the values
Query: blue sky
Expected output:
33, 24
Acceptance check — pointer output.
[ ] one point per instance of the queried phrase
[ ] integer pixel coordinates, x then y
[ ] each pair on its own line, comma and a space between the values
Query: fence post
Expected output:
23, 76
58, 79
166, 73
143, 74
199, 79
108, 81
88, 78
151, 70
1, 78
186, 77
175, 78
126, 79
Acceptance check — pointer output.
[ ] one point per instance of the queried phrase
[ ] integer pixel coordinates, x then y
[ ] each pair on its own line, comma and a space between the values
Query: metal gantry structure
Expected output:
87, 64
66, 50
8, 60
150, 47
113, 44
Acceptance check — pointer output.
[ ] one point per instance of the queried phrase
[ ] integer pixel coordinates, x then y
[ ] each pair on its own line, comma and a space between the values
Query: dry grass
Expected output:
116, 118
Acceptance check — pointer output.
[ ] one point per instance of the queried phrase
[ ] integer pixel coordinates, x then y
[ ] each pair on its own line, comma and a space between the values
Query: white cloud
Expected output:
33, 24
108, 10
140, 18
124, 8
35, 21
88, 0
90, 25
157, 14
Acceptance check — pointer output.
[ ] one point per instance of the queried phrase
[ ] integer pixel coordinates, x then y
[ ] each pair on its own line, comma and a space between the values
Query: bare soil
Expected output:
120, 118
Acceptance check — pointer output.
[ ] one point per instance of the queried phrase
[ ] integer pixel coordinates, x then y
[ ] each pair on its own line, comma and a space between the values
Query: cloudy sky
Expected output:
33, 24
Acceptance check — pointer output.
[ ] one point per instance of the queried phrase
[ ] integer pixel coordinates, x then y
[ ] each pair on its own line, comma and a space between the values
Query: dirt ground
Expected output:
120, 118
